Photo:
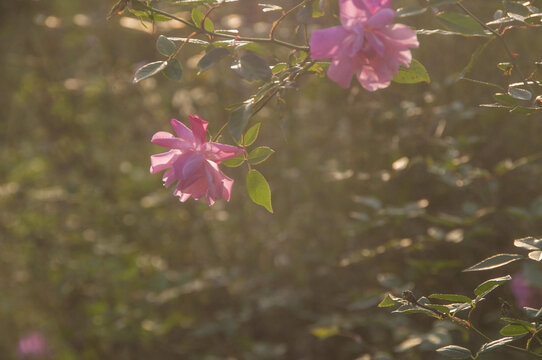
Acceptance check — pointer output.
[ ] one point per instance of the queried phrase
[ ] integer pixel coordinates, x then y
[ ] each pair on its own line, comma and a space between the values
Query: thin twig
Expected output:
504, 43
284, 14
228, 36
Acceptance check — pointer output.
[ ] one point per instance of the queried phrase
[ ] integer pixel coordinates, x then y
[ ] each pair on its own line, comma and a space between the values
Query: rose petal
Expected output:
341, 71
163, 161
199, 128
325, 43
220, 152
381, 18
167, 140
182, 131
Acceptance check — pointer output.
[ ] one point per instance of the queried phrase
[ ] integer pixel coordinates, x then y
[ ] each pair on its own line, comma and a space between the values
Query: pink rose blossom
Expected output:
192, 162
525, 293
33, 344
365, 45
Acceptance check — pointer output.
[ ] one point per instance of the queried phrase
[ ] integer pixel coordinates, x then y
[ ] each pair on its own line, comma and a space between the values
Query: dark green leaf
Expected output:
460, 23
415, 73
505, 99
235, 162
495, 344
494, 261
489, 285
454, 352
252, 67
197, 18
529, 243
514, 7
531, 312
211, 58
149, 70
513, 330
259, 155
258, 189
165, 46
239, 119
451, 297
520, 94
173, 70
251, 135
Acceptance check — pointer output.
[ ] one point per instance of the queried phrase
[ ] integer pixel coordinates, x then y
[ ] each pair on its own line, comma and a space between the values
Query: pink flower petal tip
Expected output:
192, 162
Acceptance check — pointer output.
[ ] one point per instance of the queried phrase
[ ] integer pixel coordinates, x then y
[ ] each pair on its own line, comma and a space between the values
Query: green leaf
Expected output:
197, 18
529, 243
259, 155
505, 99
251, 67
495, 344
505, 66
520, 94
149, 70
165, 46
514, 7
258, 189
513, 330
487, 286
278, 68
251, 135
415, 73
173, 70
252, 46
474, 57
460, 23
212, 57
451, 297
494, 261
387, 301
239, 118
454, 352
527, 325
235, 162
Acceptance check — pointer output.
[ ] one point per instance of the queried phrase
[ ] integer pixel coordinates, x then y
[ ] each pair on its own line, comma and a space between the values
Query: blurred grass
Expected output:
101, 258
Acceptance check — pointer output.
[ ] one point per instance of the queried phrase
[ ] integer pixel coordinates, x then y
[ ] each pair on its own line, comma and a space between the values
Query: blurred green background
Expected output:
373, 192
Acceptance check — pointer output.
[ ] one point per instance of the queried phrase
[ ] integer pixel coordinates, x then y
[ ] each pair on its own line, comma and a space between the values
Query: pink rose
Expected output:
192, 162
33, 344
366, 44
525, 293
